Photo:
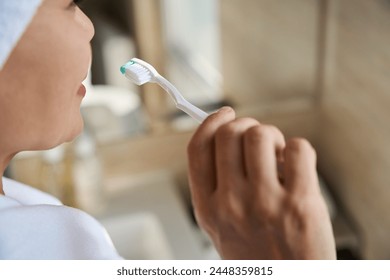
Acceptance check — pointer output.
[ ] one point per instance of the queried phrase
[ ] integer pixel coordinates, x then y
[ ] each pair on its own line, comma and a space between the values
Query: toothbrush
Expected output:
140, 72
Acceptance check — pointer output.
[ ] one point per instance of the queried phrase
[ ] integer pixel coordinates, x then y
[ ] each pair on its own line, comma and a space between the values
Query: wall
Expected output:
354, 137
269, 49
269, 61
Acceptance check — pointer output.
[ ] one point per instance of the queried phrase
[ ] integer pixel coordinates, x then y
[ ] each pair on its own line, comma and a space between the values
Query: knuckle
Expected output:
235, 128
247, 121
226, 131
258, 133
300, 145
275, 131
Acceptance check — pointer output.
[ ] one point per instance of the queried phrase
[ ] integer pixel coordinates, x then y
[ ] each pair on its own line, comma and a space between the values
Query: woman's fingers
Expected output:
229, 152
201, 154
300, 166
263, 146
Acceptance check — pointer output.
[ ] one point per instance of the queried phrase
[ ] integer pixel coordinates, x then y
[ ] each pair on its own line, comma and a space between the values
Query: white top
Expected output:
35, 225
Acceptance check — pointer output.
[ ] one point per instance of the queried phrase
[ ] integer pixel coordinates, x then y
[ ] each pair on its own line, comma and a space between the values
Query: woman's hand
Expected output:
257, 196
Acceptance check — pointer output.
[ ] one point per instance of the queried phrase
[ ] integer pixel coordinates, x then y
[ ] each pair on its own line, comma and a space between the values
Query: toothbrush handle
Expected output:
180, 101
192, 111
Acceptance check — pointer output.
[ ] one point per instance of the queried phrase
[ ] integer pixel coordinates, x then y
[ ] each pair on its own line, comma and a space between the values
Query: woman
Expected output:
239, 199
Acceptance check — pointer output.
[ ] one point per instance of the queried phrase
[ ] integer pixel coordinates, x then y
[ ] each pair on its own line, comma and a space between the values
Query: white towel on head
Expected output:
15, 15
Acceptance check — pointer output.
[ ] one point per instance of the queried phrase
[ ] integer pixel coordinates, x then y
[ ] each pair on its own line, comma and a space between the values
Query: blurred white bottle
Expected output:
52, 172
87, 175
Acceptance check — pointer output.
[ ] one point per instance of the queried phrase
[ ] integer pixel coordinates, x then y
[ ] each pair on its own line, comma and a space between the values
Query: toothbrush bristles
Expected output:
137, 73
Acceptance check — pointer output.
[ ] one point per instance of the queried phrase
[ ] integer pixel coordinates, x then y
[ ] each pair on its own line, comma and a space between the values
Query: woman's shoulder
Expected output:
47, 231
52, 232
27, 195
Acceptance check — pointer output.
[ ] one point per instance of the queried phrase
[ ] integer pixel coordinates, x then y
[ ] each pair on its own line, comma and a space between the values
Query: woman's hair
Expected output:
15, 16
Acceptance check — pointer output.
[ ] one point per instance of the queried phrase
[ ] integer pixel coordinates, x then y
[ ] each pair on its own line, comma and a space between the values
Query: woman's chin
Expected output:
55, 137
69, 135
75, 131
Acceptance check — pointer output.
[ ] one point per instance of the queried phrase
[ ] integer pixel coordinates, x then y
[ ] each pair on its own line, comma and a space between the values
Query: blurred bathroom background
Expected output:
318, 69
